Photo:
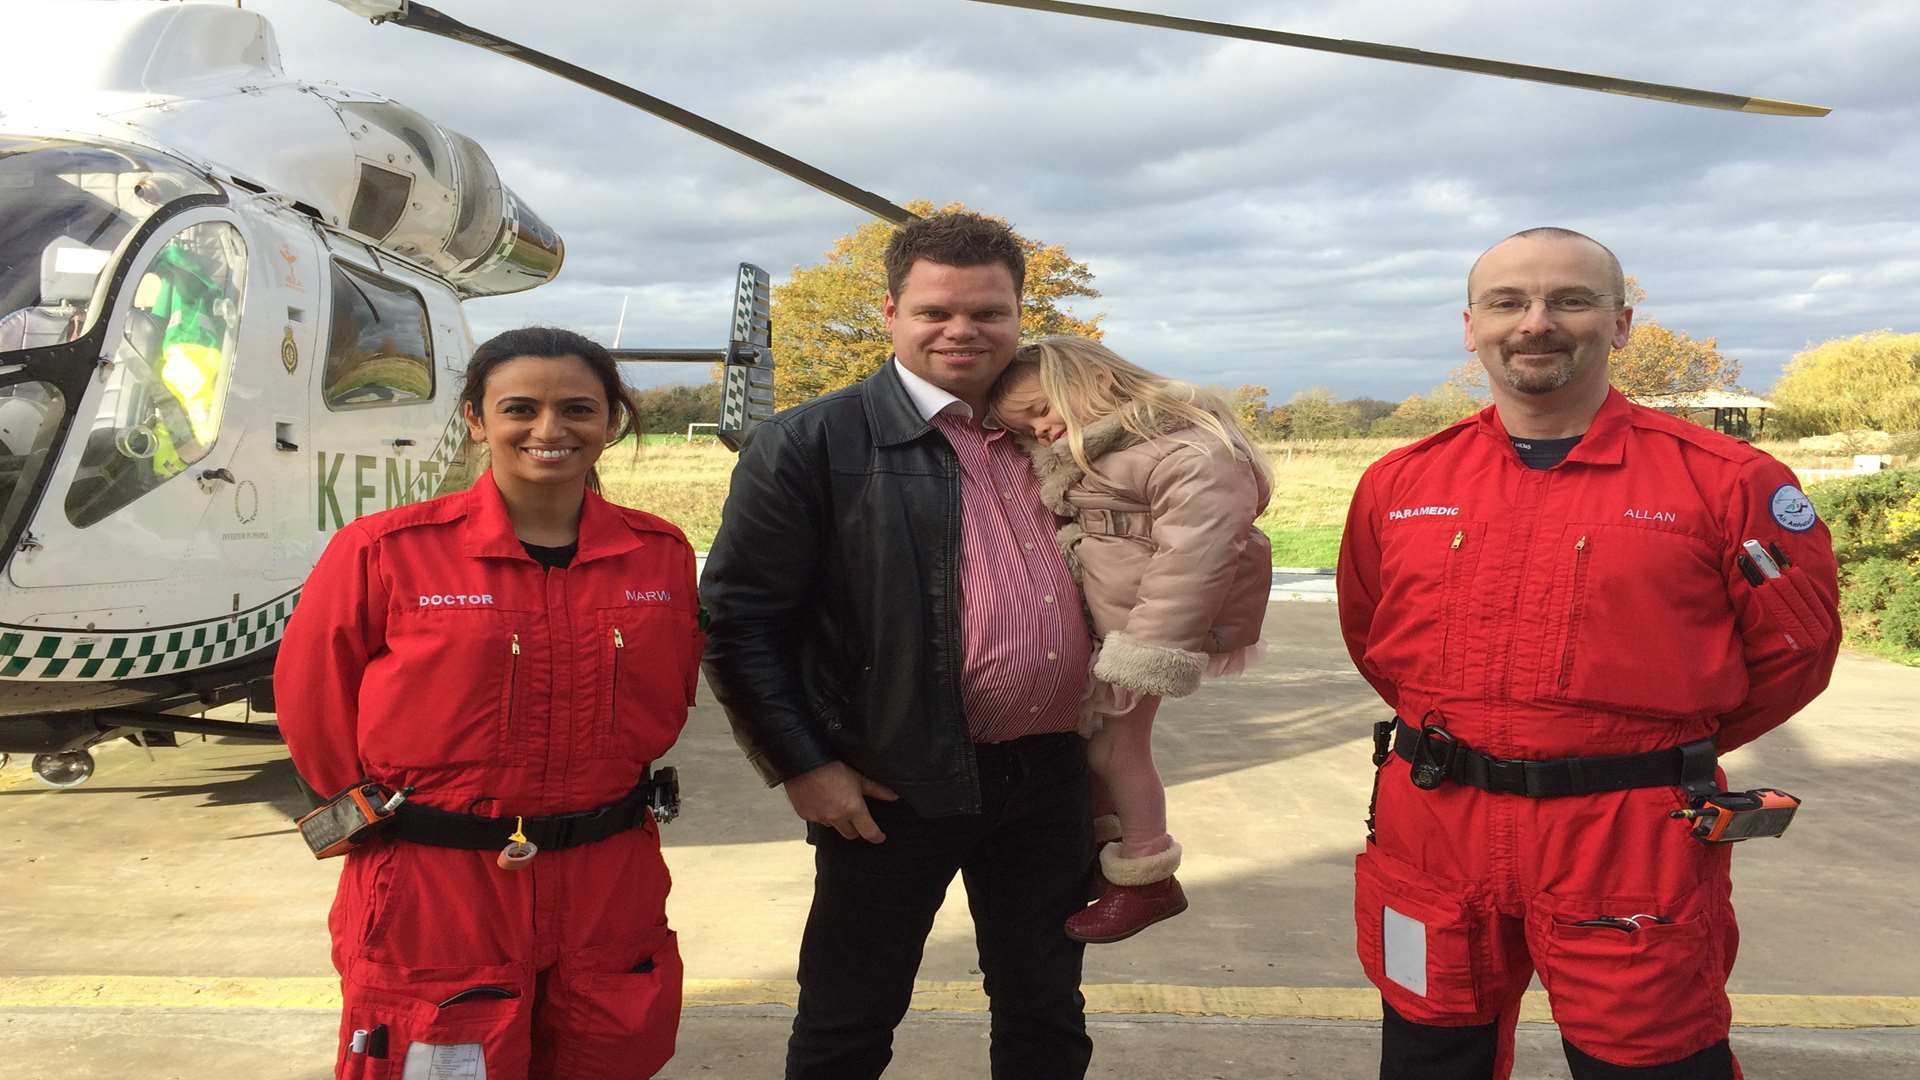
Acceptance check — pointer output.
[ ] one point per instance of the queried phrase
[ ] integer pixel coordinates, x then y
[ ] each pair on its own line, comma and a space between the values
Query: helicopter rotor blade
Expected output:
429, 20
1606, 84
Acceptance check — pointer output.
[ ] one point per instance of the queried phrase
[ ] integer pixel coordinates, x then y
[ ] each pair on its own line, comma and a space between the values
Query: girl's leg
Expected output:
1102, 798
1139, 870
1121, 756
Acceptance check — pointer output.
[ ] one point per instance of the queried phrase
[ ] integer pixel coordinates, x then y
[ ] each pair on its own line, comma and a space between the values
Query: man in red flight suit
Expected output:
1549, 597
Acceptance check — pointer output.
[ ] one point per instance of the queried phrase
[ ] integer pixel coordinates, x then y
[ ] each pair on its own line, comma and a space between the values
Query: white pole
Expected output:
622, 325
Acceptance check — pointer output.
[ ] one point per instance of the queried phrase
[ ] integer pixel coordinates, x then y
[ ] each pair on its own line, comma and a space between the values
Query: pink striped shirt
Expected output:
1023, 636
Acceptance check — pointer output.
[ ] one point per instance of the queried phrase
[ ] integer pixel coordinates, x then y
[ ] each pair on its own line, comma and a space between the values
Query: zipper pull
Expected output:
1457, 537
516, 644
1580, 544
618, 641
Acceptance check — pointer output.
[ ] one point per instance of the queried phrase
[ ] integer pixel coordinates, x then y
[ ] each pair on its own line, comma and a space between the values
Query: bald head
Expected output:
1616, 277
1545, 308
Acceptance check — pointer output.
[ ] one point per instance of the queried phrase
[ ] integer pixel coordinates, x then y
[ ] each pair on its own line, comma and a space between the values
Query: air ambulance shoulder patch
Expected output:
1792, 509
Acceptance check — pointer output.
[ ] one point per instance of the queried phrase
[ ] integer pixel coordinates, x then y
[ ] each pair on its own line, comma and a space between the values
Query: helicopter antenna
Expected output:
622, 324
428, 20
1399, 54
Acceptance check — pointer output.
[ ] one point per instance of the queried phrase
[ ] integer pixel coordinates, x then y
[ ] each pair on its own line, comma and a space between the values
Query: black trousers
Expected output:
1410, 1051
1024, 859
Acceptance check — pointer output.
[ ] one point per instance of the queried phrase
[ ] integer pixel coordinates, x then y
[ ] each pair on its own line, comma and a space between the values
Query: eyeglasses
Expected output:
1513, 305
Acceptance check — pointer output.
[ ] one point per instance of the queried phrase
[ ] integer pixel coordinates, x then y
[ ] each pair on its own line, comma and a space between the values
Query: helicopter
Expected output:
231, 322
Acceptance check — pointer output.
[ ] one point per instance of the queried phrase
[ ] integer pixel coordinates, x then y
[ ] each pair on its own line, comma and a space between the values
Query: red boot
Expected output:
1140, 892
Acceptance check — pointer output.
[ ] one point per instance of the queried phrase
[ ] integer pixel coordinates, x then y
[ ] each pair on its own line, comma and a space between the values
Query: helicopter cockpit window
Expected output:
379, 347
66, 206
167, 386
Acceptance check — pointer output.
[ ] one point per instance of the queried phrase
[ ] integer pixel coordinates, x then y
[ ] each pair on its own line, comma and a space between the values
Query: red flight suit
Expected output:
1594, 608
429, 649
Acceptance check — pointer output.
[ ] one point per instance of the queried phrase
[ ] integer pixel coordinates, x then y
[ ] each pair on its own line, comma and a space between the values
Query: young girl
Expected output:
1162, 487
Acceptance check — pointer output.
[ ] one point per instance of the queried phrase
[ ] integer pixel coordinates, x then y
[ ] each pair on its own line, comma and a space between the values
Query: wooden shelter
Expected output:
1732, 410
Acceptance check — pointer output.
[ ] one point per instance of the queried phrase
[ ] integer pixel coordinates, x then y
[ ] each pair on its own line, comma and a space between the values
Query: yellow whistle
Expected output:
519, 850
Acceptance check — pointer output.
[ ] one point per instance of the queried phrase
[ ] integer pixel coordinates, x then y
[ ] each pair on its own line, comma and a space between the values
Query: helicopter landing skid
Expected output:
61, 741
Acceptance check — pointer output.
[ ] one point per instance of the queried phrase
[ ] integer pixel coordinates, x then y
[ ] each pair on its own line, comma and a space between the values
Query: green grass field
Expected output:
686, 484
1312, 484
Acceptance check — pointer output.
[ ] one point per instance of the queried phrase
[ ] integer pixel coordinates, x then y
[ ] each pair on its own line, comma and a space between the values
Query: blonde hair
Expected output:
1086, 382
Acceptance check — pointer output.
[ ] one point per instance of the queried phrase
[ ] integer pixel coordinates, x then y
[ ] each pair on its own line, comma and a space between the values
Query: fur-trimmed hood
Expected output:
1058, 471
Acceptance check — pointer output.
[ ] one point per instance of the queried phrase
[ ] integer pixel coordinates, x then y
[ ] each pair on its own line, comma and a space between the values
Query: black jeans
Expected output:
1024, 858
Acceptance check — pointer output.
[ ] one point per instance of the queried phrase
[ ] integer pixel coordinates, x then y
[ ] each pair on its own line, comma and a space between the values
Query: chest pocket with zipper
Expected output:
1421, 634
1639, 622
448, 690
649, 664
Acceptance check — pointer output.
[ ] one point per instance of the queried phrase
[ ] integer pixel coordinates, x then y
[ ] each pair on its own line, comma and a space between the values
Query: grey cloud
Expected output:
1251, 214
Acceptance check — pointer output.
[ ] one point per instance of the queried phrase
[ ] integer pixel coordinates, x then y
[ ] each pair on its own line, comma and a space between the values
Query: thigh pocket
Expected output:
1631, 996
622, 1008
415, 1023
1415, 938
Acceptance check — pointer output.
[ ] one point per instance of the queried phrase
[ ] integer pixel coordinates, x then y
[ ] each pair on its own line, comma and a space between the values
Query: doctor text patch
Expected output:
455, 599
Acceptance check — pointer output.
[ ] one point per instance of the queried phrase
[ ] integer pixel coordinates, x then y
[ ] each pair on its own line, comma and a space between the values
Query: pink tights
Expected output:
1127, 784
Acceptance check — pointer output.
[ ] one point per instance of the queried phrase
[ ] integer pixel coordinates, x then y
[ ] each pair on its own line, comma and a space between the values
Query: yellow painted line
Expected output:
166, 992
1107, 999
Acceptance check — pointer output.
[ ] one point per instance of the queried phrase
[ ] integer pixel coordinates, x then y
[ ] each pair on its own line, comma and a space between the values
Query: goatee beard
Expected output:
1536, 381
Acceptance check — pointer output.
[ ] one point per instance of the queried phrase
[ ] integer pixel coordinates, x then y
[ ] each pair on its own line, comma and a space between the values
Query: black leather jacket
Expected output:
833, 590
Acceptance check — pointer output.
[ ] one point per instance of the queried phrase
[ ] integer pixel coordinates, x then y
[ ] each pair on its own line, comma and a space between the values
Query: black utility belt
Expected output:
657, 797
1437, 756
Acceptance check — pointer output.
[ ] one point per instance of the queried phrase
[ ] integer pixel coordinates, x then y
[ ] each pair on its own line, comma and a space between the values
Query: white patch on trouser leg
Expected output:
461, 1061
1404, 941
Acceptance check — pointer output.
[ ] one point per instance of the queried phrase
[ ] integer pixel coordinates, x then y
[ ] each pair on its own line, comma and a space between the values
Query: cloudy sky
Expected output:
1251, 214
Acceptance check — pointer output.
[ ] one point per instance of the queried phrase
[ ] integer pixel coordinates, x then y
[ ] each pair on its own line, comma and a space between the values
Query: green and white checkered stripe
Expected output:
452, 438
31, 653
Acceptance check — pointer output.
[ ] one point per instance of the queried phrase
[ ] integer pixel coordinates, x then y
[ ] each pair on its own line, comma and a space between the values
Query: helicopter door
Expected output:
276, 514
130, 498
379, 408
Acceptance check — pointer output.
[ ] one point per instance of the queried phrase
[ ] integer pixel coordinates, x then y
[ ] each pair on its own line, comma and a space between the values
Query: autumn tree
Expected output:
672, 408
1868, 381
1249, 406
1462, 394
1662, 361
1657, 360
828, 327
1315, 414
1361, 413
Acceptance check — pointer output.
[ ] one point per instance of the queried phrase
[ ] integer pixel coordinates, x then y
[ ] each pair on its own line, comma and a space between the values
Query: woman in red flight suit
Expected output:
517, 654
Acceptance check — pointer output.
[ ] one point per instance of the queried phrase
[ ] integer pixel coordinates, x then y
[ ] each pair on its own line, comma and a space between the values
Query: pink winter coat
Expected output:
1164, 545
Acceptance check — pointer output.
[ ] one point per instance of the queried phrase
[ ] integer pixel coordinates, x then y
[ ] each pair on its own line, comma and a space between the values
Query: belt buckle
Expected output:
1507, 776
1430, 767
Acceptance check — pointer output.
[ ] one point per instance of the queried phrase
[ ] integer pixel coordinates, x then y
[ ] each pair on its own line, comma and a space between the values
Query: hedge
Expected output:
1875, 539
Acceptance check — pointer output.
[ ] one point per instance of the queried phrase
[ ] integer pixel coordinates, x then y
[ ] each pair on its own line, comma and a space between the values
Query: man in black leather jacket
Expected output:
897, 643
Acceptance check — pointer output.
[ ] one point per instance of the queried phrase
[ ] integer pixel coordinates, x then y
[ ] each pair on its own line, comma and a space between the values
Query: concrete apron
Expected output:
163, 919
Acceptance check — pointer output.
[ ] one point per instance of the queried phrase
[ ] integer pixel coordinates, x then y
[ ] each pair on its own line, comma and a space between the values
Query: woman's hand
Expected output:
836, 796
